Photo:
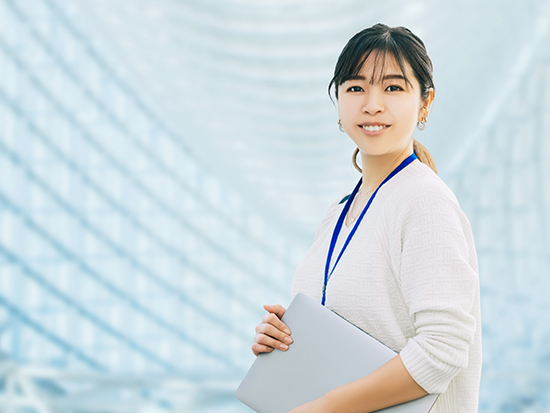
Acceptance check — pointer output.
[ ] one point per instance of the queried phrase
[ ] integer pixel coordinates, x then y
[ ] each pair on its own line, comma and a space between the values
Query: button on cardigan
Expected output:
409, 278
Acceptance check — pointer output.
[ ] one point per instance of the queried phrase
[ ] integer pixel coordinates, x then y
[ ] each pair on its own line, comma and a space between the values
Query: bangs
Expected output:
382, 58
383, 49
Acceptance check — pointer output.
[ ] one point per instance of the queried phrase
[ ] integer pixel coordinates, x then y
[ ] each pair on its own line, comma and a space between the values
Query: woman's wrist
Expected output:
331, 403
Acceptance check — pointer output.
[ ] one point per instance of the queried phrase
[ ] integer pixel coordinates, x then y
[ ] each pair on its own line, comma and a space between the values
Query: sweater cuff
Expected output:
432, 375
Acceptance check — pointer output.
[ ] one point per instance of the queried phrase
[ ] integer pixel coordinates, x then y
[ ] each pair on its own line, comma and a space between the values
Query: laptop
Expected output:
327, 352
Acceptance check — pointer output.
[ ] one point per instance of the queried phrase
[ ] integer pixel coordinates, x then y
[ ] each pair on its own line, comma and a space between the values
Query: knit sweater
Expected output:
409, 278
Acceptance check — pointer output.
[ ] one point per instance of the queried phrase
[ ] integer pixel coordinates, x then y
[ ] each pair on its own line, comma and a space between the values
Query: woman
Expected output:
408, 275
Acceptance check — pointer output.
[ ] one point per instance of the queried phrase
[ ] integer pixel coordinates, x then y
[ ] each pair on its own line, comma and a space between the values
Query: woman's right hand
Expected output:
271, 333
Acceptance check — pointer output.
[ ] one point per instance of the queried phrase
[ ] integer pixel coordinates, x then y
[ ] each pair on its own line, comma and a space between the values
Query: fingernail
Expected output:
283, 347
286, 330
288, 340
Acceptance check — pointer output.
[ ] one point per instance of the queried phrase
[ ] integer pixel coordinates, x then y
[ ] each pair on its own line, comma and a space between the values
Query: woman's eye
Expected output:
355, 89
393, 88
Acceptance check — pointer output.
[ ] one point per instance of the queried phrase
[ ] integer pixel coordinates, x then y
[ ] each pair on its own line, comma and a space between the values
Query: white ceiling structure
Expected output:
166, 163
244, 83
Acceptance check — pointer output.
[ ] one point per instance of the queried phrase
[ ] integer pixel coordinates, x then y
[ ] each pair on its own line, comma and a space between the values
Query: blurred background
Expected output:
164, 164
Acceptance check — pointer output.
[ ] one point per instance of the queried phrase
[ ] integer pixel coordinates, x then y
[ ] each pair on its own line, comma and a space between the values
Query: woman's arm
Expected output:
389, 385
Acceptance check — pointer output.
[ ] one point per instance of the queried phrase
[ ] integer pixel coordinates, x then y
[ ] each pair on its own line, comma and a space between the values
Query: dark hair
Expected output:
404, 46
381, 39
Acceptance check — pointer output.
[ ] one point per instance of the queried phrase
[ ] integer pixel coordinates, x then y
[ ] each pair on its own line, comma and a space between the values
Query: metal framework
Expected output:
117, 247
131, 274
502, 182
47, 390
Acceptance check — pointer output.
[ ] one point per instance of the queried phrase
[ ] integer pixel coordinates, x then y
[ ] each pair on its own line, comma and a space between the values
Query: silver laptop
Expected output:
327, 352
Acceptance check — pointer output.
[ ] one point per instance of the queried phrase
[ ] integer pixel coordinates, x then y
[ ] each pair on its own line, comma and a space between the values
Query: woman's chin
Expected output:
375, 152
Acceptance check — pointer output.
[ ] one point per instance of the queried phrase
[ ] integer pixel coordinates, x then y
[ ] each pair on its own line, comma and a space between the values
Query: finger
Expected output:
270, 342
275, 321
278, 309
274, 332
260, 348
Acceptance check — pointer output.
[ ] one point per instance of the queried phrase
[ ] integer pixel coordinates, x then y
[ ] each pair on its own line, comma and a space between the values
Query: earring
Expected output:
421, 124
340, 126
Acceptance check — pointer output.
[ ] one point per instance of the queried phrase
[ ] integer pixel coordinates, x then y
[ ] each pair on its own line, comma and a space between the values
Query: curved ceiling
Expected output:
244, 84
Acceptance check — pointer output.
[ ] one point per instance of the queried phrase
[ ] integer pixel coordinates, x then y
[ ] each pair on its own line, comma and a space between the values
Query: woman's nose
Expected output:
373, 103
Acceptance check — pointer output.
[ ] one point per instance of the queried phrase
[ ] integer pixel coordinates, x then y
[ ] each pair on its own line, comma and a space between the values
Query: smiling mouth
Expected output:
375, 128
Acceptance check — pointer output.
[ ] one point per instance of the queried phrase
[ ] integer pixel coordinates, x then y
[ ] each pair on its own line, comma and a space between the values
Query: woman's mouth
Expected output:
375, 128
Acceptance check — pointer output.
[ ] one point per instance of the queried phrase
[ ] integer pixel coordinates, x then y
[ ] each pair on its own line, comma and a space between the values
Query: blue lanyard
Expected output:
340, 221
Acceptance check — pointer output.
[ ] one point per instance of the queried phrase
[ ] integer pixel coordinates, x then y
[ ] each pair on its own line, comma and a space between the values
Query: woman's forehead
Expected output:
380, 64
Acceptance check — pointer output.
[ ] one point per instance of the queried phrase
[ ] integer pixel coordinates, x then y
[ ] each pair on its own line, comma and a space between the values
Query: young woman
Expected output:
408, 275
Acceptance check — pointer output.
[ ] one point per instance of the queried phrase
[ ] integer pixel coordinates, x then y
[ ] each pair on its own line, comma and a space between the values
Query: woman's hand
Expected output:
271, 333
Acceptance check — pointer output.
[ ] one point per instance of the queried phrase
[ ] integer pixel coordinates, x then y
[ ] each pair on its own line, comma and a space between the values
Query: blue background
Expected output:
164, 164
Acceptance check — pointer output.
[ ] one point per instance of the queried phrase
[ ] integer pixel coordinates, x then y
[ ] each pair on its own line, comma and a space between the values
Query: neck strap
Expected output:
342, 217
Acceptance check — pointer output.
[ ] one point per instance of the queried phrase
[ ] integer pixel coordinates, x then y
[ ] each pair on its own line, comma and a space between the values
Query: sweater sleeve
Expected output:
438, 281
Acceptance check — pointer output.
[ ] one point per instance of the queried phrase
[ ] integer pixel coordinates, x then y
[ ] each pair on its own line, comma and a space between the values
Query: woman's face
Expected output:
380, 117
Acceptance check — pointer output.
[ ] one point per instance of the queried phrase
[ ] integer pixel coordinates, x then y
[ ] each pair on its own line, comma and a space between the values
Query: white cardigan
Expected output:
409, 278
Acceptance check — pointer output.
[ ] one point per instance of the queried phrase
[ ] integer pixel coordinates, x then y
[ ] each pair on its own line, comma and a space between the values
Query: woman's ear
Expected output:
425, 106
429, 99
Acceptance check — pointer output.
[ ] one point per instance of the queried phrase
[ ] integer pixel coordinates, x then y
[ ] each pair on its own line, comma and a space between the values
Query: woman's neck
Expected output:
377, 168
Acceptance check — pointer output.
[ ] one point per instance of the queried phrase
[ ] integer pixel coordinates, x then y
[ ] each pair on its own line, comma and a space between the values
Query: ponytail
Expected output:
423, 155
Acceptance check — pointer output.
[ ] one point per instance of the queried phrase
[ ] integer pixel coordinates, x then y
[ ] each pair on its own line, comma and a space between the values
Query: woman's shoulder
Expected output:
331, 214
421, 192
423, 208
421, 182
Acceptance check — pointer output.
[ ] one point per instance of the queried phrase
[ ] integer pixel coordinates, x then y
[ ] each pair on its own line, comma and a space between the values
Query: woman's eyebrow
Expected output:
394, 76
386, 77
356, 77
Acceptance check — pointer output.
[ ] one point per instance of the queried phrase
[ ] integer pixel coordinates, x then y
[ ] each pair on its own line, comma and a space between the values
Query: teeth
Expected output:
374, 128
